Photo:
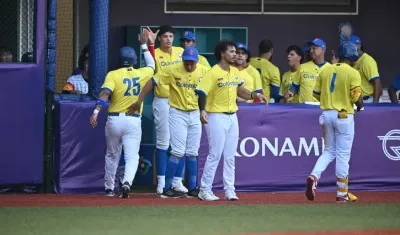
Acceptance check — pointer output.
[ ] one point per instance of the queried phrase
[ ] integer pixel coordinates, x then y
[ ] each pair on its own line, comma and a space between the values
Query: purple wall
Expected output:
22, 114
374, 21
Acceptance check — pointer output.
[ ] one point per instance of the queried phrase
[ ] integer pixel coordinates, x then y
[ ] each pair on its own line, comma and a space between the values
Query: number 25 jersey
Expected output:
126, 85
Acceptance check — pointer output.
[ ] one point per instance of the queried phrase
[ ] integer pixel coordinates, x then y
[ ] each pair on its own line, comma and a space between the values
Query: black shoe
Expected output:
109, 193
194, 193
172, 193
125, 190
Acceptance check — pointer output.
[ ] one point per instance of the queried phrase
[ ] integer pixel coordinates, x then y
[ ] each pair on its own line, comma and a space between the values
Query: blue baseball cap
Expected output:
127, 56
242, 46
190, 54
355, 39
317, 42
188, 35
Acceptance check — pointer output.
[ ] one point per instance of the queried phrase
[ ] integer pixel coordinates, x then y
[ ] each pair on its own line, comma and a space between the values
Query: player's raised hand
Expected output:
135, 108
152, 35
93, 120
334, 59
203, 117
144, 37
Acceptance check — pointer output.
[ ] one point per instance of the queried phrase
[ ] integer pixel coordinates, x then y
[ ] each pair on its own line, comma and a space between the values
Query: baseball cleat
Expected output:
346, 199
231, 196
311, 187
180, 187
207, 196
194, 193
172, 193
125, 190
109, 193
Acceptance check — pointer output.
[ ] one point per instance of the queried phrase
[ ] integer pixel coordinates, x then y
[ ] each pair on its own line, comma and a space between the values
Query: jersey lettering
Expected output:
167, 63
228, 84
186, 85
309, 76
333, 80
132, 86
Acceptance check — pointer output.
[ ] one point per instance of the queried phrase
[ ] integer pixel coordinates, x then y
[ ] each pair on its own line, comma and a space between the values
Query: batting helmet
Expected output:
127, 56
348, 50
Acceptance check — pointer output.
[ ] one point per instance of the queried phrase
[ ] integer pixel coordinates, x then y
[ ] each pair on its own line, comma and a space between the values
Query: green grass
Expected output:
193, 220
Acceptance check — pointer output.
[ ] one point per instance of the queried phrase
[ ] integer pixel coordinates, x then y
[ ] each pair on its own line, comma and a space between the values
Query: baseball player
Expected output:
270, 75
220, 87
301, 90
184, 118
338, 88
295, 58
248, 72
370, 79
188, 39
165, 56
122, 129
393, 88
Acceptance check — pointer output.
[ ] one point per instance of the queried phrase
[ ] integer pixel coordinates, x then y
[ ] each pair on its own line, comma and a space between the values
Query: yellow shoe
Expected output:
352, 197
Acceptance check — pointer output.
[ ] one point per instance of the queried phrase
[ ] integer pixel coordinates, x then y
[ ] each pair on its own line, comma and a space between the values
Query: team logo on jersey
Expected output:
394, 154
177, 79
200, 78
161, 57
236, 76
220, 79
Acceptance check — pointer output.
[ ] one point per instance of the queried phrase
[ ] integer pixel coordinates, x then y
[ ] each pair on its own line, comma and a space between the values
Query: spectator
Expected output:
78, 84
270, 75
393, 88
370, 79
5, 55
295, 56
188, 39
84, 52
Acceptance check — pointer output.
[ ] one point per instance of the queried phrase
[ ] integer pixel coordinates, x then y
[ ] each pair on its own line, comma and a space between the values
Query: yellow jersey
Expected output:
163, 60
368, 69
220, 87
338, 87
287, 79
257, 84
304, 81
181, 85
125, 85
204, 62
270, 76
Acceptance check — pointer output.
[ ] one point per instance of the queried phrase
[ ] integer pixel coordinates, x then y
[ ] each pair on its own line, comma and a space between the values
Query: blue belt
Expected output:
126, 114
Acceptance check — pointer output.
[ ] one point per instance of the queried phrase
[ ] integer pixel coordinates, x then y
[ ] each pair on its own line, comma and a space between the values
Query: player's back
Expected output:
336, 83
128, 83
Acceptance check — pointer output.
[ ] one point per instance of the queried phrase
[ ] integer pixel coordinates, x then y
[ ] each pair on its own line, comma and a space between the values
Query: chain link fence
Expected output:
17, 30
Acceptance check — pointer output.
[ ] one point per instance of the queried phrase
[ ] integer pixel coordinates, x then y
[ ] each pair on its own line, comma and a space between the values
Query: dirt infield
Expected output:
361, 232
14, 200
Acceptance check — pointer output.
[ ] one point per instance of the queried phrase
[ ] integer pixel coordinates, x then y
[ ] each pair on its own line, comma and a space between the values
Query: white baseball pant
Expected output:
122, 131
223, 135
339, 135
161, 113
185, 128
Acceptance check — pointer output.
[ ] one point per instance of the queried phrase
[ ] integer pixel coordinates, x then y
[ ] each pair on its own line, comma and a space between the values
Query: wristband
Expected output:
96, 111
144, 47
101, 103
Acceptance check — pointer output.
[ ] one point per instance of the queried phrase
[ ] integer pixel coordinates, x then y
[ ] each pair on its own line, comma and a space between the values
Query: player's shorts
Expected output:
396, 82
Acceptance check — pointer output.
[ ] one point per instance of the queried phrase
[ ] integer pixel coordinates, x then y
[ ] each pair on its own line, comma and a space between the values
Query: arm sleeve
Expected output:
152, 51
296, 82
355, 87
109, 83
149, 60
370, 69
206, 84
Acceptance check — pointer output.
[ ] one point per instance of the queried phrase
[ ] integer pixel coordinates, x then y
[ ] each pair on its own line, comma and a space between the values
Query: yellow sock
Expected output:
342, 187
